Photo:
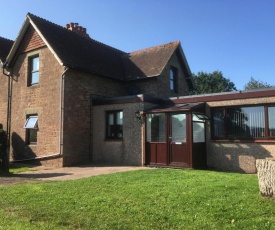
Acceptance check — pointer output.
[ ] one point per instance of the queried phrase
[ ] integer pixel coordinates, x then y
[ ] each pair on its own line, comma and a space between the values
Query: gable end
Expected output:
31, 41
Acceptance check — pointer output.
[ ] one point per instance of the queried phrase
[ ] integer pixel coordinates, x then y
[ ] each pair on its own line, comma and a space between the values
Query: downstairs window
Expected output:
247, 122
31, 127
114, 125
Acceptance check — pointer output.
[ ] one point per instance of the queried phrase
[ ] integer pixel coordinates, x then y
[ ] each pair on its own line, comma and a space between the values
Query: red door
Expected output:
177, 141
166, 143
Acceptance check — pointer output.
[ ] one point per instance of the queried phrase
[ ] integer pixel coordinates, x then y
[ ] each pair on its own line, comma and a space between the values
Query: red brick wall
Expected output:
31, 41
3, 99
78, 86
42, 99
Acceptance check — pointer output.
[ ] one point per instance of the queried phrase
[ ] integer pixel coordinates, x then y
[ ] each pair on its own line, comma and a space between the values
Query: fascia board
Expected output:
45, 41
20, 36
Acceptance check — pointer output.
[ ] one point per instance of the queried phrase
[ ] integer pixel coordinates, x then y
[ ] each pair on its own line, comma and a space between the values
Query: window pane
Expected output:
271, 121
179, 128
114, 125
218, 123
32, 135
111, 119
246, 122
31, 122
198, 132
155, 128
171, 80
35, 64
119, 118
34, 77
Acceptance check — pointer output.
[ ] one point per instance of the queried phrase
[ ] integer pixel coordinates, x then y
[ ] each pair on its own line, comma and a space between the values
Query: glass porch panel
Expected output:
198, 132
156, 127
178, 122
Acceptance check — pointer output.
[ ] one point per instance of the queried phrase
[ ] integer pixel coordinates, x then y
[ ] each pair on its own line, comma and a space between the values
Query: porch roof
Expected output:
176, 107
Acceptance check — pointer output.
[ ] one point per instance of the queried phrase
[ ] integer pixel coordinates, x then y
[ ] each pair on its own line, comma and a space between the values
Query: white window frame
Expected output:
32, 125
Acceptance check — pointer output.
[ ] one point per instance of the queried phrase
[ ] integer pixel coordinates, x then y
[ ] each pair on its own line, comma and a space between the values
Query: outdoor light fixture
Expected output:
139, 115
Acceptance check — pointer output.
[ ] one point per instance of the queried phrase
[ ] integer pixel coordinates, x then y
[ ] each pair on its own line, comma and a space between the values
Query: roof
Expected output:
5, 46
176, 107
74, 50
148, 62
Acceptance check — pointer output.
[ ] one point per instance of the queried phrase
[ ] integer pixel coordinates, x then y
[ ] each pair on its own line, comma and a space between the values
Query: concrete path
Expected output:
66, 173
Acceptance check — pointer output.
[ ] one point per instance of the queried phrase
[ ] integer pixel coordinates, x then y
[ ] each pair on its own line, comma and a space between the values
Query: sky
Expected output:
236, 37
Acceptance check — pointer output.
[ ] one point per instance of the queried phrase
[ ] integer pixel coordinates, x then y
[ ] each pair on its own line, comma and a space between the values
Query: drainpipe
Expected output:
61, 111
3, 65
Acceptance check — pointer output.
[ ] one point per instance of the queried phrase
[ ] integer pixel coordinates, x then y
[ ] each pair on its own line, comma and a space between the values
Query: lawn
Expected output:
146, 199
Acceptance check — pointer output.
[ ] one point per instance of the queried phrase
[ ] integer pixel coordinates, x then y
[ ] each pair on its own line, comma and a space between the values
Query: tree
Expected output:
212, 83
4, 160
256, 84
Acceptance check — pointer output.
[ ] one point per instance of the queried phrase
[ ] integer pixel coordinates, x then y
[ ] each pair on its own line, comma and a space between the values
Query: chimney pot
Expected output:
76, 28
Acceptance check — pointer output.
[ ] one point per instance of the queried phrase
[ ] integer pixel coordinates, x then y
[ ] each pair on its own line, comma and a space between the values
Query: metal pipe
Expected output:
61, 111
8, 123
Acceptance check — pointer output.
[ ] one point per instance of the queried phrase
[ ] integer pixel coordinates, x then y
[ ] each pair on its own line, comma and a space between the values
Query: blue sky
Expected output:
236, 37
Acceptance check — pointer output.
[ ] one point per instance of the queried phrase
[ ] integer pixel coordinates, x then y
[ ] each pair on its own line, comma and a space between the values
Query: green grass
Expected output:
146, 199
16, 168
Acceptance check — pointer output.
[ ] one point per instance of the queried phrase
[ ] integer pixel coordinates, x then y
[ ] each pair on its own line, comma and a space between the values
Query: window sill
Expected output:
33, 85
246, 141
115, 139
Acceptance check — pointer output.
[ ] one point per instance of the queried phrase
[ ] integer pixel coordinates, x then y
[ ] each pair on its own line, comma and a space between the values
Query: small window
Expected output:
34, 70
114, 125
31, 127
173, 79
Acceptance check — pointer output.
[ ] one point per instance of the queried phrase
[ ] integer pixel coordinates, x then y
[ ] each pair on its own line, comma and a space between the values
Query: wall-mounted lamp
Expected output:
139, 115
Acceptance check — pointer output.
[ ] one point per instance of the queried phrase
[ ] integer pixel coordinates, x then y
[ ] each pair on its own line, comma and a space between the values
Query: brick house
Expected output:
55, 72
74, 100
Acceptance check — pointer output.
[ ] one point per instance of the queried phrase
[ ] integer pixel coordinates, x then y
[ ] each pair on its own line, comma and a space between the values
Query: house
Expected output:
55, 72
70, 99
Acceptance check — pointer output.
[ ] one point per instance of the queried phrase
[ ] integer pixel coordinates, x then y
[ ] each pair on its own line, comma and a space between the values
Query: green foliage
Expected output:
212, 83
256, 84
146, 199
4, 164
16, 168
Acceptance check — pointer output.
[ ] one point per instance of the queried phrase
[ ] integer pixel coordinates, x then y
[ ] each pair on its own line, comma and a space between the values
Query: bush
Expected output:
4, 160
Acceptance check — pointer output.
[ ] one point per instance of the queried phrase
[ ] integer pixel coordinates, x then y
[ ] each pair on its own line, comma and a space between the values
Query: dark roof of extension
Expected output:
74, 50
5, 46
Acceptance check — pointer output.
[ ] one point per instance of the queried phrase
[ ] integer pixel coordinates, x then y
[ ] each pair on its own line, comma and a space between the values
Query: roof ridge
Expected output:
75, 33
176, 43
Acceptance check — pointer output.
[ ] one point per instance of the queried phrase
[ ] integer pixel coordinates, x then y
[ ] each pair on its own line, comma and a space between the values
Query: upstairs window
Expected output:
114, 125
34, 71
31, 127
248, 122
173, 79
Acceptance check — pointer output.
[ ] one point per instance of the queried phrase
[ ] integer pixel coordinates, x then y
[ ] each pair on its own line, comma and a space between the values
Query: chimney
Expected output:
74, 26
